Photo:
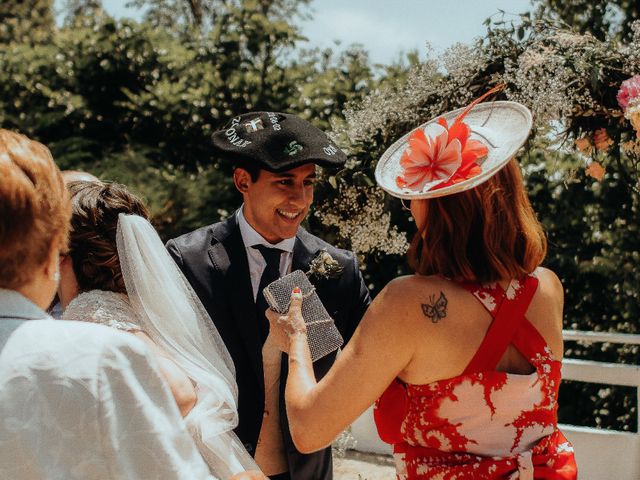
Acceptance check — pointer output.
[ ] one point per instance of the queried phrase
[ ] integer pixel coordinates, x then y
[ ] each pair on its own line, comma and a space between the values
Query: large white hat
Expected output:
442, 157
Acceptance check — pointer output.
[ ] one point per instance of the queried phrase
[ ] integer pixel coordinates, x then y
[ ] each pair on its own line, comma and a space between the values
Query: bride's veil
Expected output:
174, 318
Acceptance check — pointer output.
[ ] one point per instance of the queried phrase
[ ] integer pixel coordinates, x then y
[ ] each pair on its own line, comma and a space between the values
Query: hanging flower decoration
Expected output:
634, 117
584, 145
629, 100
449, 158
601, 140
631, 147
595, 170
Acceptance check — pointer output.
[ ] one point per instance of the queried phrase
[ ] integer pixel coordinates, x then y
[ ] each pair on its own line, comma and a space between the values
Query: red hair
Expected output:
483, 234
34, 208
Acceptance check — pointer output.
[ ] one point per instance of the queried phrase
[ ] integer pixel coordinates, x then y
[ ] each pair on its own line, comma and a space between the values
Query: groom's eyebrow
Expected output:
291, 175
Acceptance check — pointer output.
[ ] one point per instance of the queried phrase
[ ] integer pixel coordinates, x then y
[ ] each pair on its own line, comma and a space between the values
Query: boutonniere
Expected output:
324, 266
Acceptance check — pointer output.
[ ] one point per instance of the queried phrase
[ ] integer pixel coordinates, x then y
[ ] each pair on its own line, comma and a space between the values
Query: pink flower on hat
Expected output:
472, 151
451, 157
428, 159
629, 91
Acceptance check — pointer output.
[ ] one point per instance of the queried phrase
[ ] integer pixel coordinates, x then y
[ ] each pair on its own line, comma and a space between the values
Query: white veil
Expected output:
172, 315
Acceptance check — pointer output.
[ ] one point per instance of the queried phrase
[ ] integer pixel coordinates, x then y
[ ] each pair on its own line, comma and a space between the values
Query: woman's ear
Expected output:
241, 179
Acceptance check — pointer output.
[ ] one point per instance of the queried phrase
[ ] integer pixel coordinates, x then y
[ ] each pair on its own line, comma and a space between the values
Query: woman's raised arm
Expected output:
379, 350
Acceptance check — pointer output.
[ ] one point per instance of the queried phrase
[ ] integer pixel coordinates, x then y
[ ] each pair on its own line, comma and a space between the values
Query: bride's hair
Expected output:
92, 240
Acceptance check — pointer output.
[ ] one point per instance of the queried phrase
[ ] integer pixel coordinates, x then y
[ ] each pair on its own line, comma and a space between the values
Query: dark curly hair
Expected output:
92, 240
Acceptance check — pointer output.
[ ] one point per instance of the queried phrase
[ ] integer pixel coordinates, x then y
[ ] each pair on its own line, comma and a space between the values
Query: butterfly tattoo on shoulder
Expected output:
435, 310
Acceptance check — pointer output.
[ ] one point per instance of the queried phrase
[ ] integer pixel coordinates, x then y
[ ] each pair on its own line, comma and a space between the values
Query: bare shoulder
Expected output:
546, 310
416, 283
396, 318
401, 289
550, 287
416, 297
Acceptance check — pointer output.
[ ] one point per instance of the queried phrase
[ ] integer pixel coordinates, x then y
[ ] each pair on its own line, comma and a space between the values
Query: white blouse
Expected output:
84, 401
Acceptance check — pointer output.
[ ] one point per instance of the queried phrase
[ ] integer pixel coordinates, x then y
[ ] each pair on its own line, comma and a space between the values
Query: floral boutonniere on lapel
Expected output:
324, 266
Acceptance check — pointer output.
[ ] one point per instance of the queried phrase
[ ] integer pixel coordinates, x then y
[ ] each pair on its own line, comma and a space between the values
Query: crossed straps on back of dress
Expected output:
510, 326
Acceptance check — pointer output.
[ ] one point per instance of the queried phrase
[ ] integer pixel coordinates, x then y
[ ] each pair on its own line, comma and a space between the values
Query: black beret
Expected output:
276, 142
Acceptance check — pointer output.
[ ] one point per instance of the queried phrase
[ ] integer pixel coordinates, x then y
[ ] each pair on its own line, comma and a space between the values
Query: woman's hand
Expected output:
182, 388
381, 347
285, 327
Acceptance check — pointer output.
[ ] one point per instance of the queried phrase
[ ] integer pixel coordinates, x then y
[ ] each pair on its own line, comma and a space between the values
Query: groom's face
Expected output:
276, 203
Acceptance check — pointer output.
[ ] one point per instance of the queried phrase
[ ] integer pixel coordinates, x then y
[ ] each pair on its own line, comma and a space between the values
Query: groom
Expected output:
229, 263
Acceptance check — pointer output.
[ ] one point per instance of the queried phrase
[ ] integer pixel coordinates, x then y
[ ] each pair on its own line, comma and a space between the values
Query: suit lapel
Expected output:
229, 257
303, 252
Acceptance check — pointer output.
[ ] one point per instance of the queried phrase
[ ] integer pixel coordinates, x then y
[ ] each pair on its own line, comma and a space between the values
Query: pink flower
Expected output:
629, 91
450, 158
427, 160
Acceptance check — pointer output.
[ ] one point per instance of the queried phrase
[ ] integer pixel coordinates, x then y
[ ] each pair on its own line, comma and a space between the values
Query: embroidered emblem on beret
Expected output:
293, 148
254, 125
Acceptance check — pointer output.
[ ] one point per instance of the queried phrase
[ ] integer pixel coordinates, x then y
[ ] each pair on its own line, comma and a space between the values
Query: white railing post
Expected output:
593, 445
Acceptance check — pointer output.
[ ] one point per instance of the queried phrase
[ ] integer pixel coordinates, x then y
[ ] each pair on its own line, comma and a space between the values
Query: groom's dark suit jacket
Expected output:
214, 260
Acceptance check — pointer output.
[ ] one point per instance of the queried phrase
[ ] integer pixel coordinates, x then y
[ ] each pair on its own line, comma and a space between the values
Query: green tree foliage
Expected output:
79, 10
191, 14
601, 18
324, 83
138, 102
26, 21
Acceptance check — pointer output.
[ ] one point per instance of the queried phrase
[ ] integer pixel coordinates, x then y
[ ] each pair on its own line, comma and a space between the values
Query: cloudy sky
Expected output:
387, 27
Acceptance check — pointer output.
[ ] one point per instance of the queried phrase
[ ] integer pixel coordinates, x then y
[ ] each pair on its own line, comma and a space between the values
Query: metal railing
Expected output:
603, 372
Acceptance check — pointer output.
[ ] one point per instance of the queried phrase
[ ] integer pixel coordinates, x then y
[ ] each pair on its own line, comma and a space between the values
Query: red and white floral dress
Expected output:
483, 424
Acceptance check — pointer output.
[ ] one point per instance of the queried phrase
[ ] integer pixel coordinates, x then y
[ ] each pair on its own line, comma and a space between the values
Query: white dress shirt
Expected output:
84, 401
270, 451
257, 263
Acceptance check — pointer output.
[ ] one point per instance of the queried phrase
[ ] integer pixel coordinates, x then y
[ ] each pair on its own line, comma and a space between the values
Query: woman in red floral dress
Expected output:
463, 357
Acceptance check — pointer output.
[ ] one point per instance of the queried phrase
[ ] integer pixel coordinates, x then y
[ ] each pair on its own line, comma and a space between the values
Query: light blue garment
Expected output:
15, 309
15, 305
